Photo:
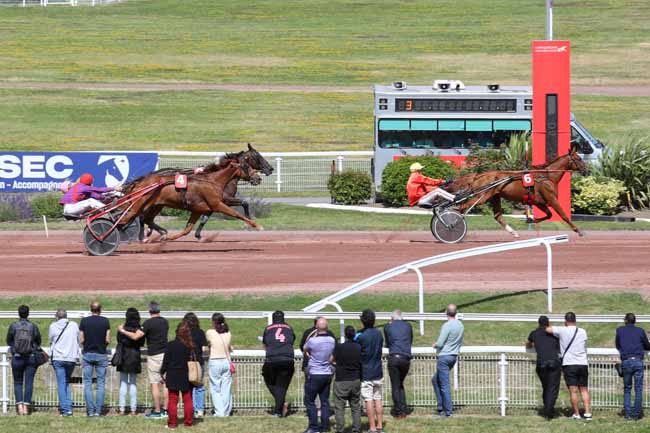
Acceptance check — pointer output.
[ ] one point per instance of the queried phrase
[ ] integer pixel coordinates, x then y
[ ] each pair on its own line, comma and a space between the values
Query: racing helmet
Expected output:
86, 179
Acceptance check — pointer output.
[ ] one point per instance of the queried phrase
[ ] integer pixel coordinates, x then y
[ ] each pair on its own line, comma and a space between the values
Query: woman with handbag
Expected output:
175, 371
221, 367
128, 361
199, 340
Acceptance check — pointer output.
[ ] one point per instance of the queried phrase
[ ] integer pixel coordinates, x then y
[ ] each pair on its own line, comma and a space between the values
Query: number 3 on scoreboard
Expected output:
279, 336
528, 179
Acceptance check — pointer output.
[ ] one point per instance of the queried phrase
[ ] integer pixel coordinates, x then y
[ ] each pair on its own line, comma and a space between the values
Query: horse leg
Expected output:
551, 199
148, 218
495, 203
244, 204
224, 209
204, 220
188, 227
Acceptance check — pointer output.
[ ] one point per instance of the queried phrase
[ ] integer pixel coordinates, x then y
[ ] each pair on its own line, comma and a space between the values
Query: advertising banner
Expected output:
44, 171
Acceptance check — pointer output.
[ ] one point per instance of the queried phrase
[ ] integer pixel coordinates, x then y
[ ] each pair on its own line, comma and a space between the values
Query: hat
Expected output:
416, 166
86, 179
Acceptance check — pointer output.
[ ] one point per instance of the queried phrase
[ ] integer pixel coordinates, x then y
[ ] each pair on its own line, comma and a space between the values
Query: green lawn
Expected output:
46, 120
289, 217
246, 331
602, 423
337, 42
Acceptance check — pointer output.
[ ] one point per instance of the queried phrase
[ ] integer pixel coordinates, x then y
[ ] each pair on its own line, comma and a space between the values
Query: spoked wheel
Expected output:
130, 232
101, 227
449, 226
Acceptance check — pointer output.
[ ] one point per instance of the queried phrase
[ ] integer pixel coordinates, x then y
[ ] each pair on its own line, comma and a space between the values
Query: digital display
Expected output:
459, 105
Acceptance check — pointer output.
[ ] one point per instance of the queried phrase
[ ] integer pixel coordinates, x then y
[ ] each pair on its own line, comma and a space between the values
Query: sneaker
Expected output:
66, 414
164, 414
574, 416
587, 416
380, 430
198, 414
153, 415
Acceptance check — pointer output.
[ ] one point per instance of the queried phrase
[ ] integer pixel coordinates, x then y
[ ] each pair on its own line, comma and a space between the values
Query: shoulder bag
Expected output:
194, 371
566, 349
233, 367
41, 356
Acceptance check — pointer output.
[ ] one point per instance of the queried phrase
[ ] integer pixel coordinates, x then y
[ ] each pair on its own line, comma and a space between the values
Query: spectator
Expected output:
199, 341
347, 387
448, 347
319, 349
64, 349
573, 346
310, 332
372, 375
94, 336
131, 365
23, 339
398, 335
176, 375
549, 368
632, 342
220, 376
278, 365
155, 330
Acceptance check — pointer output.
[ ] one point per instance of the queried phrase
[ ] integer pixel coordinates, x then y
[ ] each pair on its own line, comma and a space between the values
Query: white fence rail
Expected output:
293, 171
488, 377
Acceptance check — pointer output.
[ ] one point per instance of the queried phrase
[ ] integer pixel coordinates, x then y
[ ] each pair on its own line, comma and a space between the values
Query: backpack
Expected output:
23, 338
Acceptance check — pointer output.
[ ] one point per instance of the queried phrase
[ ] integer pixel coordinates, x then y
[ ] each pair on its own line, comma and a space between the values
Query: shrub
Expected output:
396, 175
514, 155
14, 207
350, 187
480, 159
596, 195
171, 212
47, 204
629, 162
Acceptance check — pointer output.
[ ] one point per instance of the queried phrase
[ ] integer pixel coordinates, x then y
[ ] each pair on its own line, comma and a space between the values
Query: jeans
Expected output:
398, 368
128, 382
220, 383
198, 394
94, 362
549, 373
632, 371
277, 377
344, 392
441, 385
318, 385
63, 371
172, 421
24, 370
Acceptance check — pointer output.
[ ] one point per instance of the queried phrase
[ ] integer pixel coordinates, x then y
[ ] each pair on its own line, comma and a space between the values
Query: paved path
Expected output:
283, 88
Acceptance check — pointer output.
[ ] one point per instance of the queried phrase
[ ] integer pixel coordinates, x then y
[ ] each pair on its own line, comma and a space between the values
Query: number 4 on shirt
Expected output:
279, 336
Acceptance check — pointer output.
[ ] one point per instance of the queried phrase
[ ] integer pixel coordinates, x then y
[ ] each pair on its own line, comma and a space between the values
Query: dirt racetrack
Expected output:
314, 261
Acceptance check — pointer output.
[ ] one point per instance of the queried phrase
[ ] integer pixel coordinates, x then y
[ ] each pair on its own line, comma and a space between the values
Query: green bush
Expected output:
629, 162
480, 159
47, 204
8, 213
178, 213
396, 175
350, 187
596, 195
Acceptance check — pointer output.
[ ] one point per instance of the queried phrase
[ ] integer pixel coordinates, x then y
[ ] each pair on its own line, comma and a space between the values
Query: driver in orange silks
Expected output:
424, 190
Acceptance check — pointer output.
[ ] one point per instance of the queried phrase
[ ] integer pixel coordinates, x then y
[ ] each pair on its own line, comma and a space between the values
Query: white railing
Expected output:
415, 266
485, 376
293, 171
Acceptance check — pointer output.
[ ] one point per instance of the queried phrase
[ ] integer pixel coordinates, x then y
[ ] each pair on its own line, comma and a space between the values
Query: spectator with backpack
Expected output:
64, 348
23, 339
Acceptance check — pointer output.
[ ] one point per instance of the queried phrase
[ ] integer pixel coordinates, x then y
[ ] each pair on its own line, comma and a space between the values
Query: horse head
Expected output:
246, 172
576, 163
255, 159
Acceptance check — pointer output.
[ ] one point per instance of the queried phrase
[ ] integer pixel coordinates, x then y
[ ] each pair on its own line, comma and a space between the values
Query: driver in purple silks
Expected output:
82, 196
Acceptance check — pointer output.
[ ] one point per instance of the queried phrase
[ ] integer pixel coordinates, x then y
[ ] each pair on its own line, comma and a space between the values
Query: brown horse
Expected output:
545, 190
204, 194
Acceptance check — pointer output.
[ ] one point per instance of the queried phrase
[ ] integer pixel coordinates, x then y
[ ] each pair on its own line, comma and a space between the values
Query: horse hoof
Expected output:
581, 234
259, 228
516, 235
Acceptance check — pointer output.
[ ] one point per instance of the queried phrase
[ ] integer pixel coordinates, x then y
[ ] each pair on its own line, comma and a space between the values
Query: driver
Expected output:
82, 196
423, 190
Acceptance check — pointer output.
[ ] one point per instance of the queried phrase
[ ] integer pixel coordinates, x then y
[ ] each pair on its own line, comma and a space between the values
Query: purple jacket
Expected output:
79, 192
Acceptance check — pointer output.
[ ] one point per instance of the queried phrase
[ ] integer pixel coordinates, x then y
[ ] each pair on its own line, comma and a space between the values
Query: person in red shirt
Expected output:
424, 190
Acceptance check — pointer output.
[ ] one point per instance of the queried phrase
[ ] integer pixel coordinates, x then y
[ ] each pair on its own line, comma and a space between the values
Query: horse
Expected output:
204, 193
251, 157
546, 177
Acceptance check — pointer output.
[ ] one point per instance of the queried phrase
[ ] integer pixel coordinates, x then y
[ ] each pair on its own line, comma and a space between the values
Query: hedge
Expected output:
396, 175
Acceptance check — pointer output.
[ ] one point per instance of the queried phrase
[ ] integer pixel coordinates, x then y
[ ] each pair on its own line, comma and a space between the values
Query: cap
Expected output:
416, 166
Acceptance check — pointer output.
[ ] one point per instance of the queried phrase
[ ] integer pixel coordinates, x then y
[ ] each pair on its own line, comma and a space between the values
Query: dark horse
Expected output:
204, 193
251, 157
545, 190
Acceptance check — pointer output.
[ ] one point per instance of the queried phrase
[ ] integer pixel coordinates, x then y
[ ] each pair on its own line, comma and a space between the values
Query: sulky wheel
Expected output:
130, 232
101, 227
449, 226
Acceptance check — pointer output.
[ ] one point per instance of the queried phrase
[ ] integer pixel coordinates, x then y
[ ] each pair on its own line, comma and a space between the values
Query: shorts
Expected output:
372, 389
154, 364
576, 375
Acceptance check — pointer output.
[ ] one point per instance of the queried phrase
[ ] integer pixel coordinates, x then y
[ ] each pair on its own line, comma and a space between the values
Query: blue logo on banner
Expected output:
44, 171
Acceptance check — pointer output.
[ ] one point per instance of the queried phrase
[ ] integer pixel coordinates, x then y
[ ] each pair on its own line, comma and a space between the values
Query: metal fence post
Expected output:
339, 163
5, 393
278, 170
549, 276
503, 364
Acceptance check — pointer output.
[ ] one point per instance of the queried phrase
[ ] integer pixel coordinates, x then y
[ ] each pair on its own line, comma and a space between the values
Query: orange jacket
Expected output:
417, 187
